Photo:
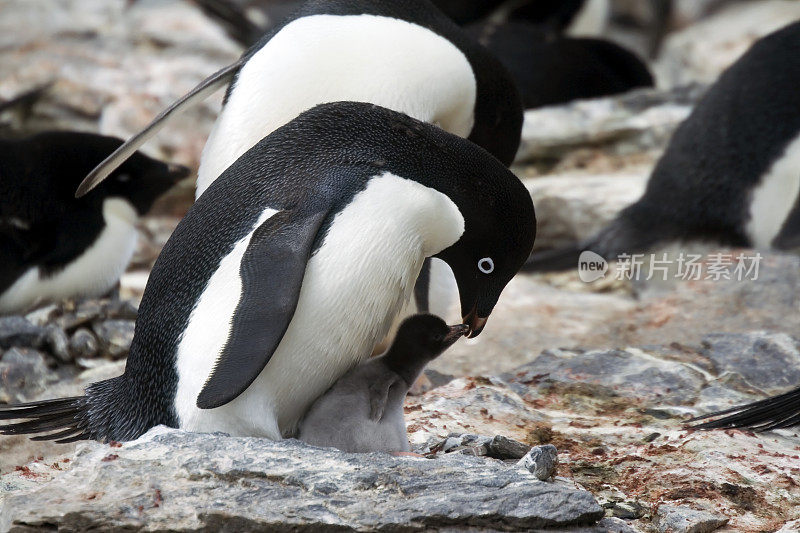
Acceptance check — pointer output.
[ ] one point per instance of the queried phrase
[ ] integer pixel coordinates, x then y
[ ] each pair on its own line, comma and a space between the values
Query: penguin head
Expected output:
499, 230
70, 155
423, 338
141, 180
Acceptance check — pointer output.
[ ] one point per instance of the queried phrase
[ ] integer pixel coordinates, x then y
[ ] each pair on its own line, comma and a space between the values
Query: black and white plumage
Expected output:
290, 268
405, 56
554, 69
363, 411
731, 173
54, 246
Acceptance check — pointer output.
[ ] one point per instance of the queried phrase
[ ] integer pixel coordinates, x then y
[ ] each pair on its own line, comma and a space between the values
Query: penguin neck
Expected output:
405, 361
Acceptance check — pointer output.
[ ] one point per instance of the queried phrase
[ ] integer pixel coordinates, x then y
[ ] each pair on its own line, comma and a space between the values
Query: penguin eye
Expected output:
123, 178
486, 265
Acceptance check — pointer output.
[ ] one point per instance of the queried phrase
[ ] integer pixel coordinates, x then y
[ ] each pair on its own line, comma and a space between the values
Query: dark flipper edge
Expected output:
272, 272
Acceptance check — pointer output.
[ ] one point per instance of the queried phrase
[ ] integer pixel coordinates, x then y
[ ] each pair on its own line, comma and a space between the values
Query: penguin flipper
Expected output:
272, 272
777, 412
379, 395
206, 88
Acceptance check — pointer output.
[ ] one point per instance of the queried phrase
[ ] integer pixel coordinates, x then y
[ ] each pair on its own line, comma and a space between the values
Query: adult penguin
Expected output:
731, 173
285, 273
407, 56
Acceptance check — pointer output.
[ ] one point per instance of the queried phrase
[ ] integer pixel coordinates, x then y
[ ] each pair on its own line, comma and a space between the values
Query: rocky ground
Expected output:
607, 372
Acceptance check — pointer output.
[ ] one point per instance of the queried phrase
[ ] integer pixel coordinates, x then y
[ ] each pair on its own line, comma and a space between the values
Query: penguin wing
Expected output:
272, 271
206, 88
379, 395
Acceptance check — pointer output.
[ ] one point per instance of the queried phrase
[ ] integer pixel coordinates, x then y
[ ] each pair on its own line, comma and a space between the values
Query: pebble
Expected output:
541, 461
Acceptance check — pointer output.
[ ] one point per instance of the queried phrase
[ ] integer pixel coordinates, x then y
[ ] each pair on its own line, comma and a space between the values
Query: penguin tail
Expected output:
104, 413
777, 412
63, 419
619, 237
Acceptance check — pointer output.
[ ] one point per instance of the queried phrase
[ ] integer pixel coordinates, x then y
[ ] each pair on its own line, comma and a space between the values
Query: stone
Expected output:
639, 121
681, 519
57, 344
23, 374
702, 51
83, 344
17, 331
174, 480
768, 361
501, 447
541, 461
115, 336
571, 207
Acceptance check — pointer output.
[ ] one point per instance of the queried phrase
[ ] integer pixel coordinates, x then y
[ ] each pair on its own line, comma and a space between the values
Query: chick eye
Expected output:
486, 265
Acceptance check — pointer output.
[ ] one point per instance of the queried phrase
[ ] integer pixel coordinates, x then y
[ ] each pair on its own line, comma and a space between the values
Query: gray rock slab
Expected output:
177, 481
634, 122
681, 519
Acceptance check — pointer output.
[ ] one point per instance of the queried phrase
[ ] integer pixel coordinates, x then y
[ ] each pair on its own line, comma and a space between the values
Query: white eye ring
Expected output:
486, 265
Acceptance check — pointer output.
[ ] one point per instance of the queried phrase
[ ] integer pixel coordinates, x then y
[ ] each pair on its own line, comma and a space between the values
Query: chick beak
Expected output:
455, 333
475, 323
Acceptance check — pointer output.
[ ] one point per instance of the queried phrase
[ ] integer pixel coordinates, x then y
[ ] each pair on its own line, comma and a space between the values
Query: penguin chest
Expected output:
775, 197
326, 58
93, 273
354, 285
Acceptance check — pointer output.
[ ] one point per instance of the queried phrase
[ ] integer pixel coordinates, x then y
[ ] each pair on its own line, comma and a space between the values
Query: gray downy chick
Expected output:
363, 411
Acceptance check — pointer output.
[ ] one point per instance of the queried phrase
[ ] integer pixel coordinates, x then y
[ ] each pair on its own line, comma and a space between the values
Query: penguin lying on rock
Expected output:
556, 69
363, 411
731, 173
53, 246
290, 268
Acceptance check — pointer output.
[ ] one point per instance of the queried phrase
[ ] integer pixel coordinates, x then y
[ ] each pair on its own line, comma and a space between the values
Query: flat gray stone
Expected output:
172, 480
680, 519
16, 331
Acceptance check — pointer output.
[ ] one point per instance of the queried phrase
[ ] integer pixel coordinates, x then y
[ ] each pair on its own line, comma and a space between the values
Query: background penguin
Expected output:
54, 246
363, 411
731, 173
554, 69
327, 222
404, 56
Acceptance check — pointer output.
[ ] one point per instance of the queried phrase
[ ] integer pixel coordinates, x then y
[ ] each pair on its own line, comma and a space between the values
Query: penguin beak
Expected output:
475, 323
177, 172
455, 333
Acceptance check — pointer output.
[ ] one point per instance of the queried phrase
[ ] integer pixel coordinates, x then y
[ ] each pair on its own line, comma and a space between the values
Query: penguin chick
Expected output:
555, 69
54, 246
363, 411
290, 268
731, 172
